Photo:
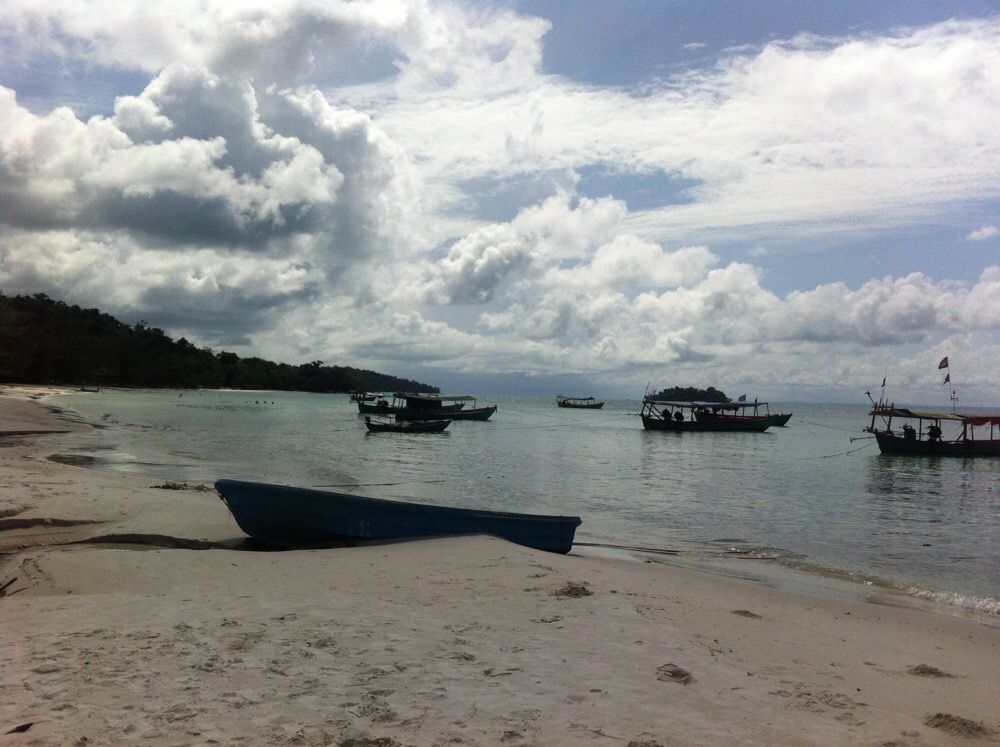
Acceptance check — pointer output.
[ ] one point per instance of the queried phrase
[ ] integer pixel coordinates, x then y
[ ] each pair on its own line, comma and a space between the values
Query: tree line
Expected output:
692, 394
44, 341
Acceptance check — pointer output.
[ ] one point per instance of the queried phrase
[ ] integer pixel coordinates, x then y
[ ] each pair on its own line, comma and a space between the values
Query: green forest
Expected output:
43, 341
691, 394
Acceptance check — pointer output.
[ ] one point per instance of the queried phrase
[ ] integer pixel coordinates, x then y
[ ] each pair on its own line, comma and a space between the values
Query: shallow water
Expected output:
805, 495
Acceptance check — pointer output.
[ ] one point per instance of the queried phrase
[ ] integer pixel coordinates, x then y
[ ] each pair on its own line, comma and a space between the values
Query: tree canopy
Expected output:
692, 394
43, 341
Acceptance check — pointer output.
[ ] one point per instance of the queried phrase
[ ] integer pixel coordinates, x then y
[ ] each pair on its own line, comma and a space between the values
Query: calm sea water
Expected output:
804, 496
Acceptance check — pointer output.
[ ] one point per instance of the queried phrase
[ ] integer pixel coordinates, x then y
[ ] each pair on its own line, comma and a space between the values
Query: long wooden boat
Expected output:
920, 433
579, 403
296, 517
384, 425
682, 417
739, 412
399, 403
437, 406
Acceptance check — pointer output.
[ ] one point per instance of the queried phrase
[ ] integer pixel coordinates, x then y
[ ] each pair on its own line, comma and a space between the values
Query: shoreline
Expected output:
469, 640
790, 570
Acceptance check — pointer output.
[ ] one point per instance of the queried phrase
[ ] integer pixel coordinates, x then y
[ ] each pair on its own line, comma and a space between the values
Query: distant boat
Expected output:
580, 403
384, 425
408, 406
364, 396
921, 433
681, 417
297, 517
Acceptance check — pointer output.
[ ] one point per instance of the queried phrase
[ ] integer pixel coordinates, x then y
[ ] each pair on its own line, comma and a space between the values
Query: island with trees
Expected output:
691, 394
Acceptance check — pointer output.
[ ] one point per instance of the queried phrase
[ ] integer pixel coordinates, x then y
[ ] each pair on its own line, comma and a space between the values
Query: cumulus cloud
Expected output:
296, 176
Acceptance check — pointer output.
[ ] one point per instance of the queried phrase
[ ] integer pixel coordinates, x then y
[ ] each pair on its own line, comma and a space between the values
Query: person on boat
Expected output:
934, 432
909, 433
678, 416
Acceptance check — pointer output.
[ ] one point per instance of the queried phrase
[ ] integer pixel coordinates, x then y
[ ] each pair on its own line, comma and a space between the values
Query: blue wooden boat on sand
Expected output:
305, 517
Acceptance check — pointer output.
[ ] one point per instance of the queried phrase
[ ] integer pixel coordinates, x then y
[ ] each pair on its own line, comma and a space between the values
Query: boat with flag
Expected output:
910, 432
904, 431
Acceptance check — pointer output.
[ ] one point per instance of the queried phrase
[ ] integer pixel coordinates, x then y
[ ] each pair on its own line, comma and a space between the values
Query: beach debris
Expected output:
21, 729
746, 613
926, 670
3, 589
673, 673
573, 590
549, 619
957, 726
370, 742
494, 672
169, 485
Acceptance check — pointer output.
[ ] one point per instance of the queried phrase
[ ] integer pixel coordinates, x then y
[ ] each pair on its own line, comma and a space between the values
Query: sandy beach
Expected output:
131, 614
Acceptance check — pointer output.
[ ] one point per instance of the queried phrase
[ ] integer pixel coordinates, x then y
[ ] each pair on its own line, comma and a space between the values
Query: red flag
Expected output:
943, 363
946, 379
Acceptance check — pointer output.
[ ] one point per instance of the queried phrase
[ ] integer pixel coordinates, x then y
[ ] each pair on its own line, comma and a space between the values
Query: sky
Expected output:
791, 200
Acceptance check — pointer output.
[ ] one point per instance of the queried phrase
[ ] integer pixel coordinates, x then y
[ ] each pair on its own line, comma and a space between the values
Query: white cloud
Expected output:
246, 193
984, 233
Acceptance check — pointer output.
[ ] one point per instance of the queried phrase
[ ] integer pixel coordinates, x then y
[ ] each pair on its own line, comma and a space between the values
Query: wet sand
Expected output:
161, 629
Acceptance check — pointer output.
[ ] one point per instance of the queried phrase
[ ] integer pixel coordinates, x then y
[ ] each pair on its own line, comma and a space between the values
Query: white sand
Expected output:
470, 641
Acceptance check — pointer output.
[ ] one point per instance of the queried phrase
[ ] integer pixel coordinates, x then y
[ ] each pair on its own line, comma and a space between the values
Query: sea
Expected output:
803, 505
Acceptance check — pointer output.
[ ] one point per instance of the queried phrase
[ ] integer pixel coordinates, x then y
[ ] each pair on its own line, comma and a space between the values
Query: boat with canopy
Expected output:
900, 430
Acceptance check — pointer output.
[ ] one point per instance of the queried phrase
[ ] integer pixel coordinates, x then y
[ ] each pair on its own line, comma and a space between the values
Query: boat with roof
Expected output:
904, 431
384, 406
579, 403
909, 432
682, 417
413, 406
740, 411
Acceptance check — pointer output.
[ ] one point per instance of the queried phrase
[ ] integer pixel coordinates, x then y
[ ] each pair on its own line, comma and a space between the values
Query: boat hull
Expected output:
473, 413
296, 517
705, 426
892, 444
771, 420
418, 426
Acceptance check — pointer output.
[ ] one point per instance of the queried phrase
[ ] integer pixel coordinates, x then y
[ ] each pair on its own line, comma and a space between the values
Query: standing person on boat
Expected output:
934, 432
